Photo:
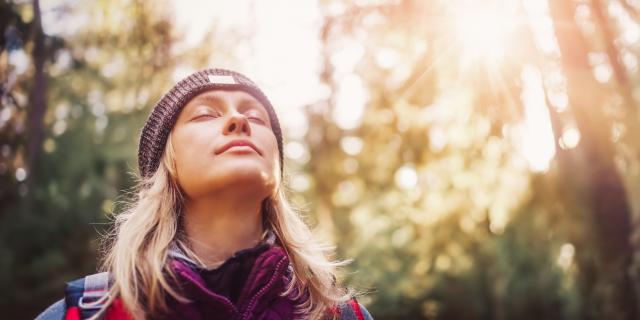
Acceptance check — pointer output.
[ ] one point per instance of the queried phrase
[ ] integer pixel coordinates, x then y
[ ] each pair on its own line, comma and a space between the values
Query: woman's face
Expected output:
223, 142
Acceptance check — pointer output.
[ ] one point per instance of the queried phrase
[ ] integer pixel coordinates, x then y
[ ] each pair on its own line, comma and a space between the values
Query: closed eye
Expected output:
206, 115
257, 119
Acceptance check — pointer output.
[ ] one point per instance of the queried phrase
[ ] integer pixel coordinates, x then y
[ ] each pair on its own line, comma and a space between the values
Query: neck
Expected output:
218, 226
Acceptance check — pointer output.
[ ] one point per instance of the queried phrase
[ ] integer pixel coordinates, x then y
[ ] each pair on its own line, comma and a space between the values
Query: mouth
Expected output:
239, 145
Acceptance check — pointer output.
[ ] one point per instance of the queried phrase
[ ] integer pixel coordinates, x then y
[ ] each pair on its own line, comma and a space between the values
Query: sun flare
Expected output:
482, 31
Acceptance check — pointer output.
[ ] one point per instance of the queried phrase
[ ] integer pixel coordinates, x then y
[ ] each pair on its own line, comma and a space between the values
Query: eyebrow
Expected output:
252, 104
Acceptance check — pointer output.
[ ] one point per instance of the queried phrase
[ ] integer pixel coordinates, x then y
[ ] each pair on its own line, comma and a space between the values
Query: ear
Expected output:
170, 163
170, 157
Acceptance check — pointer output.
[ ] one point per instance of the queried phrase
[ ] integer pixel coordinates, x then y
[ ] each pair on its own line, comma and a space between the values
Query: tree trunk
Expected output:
38, 96
631, 120
612, 295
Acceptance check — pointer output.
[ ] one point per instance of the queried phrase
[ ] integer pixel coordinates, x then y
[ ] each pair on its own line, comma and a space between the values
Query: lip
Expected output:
238, 143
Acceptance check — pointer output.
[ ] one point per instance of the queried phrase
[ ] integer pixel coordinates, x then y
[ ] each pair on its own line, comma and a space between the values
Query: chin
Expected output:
245, 174
241, 175
248, 183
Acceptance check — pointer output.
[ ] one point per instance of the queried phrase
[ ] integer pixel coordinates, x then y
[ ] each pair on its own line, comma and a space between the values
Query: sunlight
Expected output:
482, 30
565, 258
538, 142
570, 138
351, 98
406, 177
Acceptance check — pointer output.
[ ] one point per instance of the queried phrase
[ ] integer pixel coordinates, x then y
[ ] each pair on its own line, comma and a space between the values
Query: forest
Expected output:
474, 159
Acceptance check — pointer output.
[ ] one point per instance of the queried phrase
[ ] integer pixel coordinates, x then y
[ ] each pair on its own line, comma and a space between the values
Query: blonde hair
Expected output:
136, 252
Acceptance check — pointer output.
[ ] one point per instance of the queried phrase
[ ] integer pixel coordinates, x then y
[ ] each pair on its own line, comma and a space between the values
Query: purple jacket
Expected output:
246, 286
258, 298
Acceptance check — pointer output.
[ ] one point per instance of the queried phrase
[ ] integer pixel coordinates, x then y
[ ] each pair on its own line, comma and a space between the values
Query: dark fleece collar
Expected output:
246, 286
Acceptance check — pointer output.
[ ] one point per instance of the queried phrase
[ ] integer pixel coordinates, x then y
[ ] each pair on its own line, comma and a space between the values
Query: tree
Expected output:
99, 88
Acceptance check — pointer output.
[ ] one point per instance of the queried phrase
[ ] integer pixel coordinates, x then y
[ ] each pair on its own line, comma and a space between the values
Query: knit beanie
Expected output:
165, 113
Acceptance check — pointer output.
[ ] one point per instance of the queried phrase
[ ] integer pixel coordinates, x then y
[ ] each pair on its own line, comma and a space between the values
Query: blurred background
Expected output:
476, 159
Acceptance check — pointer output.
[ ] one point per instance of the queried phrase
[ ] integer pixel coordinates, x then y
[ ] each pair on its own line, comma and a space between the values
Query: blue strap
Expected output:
55, 311
348, 313
95, 293
88, 293
365, 313
96, 290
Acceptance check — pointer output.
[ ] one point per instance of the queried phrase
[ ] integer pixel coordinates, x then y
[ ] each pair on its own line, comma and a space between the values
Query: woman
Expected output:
210, 234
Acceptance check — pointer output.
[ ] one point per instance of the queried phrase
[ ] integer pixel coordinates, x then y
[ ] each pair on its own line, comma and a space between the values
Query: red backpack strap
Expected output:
73, 313
350, 310
355, 306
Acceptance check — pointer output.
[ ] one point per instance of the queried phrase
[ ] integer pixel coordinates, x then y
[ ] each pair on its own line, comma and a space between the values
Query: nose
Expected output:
237, 124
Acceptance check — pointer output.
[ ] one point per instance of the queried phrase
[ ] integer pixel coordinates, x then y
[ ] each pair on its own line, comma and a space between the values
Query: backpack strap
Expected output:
96, 291
356, 308
55, 311
87, 295
350, 310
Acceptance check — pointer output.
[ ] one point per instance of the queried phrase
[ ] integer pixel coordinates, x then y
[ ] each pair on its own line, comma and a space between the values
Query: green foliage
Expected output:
432, 192
48, 233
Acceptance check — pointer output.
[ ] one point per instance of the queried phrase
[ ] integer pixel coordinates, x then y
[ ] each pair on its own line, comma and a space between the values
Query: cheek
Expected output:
275, 160
189, 149
271, 149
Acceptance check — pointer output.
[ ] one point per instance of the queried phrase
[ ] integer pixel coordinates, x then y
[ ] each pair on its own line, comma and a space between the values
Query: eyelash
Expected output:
207, 115
256, 118
217, 115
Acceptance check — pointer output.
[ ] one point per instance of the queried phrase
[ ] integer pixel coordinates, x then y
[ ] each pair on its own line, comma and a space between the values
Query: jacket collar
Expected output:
176, 253
269, 277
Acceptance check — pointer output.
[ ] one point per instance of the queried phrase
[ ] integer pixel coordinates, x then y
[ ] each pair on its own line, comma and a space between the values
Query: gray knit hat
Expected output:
165, 113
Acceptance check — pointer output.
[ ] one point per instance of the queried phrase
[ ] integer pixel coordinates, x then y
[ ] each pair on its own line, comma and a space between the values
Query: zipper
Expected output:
262, 291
